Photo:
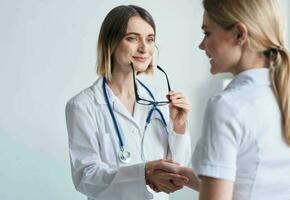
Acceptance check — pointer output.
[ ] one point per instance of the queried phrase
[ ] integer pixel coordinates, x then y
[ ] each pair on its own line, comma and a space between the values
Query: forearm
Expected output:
193, 182
215, 189
106, 183
180, 147
180, 127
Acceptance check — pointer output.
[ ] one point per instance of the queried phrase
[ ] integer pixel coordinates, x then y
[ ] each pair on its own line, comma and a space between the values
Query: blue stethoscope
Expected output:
125, 156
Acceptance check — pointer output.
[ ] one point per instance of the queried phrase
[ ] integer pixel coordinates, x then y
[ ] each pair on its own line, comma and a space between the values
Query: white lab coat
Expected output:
94, 145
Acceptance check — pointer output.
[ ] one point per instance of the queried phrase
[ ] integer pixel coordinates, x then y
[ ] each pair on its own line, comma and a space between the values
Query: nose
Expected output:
201, 45
142, 46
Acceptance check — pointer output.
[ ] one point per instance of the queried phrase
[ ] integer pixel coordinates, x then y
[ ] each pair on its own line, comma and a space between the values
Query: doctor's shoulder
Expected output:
85, 98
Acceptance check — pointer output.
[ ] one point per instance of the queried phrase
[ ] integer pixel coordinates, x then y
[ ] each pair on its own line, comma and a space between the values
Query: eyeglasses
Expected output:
143, 101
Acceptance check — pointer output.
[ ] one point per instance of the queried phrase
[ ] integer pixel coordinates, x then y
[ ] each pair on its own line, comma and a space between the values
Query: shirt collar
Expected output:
258, 76
98, 91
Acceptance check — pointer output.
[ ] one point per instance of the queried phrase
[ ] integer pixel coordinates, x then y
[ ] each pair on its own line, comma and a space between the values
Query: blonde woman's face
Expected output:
220, 46
137, 46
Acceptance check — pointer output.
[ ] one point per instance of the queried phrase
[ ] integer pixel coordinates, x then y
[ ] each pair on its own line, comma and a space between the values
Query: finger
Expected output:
153, 165
154, 188
172, 176
165, 187
172, 161
173, 187
180, 105
171, 92
179, 100
178, 182
157, 189
177, 95
168, 167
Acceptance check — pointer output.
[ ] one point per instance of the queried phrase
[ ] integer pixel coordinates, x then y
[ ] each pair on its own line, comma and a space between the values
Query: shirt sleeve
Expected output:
216, 152
91, 176
180, 145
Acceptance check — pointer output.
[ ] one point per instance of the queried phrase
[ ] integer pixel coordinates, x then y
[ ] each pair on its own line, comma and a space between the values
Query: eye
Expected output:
206, 33
131, 38
151, 39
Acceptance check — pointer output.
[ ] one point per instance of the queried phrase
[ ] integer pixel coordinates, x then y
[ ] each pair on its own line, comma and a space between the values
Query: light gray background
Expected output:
47, 51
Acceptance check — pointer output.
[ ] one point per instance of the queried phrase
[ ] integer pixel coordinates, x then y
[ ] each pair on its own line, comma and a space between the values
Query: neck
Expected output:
122, 84
250, 60
123, 87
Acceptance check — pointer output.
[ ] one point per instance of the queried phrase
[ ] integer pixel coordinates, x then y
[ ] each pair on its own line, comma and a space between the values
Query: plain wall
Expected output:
47, 51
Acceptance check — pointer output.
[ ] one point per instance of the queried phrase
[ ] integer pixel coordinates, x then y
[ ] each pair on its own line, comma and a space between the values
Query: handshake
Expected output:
168, 176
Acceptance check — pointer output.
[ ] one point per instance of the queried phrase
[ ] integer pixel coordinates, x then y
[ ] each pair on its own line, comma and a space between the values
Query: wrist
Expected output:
179, 127
146, 174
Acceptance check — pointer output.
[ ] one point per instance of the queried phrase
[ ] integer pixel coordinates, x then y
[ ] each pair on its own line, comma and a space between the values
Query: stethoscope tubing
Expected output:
148, 119
112, 115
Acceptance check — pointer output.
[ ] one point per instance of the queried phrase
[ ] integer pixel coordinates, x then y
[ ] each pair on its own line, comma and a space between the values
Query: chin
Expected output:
141, 67
213, 70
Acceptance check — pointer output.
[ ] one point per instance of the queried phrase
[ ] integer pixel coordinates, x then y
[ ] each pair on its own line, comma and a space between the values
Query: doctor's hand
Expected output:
179, 108
160, 180
166, 182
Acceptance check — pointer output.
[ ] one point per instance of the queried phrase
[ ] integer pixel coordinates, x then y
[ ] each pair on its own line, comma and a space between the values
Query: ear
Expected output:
241, 32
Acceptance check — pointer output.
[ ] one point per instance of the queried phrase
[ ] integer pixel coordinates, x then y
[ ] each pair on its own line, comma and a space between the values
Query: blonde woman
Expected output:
244, 150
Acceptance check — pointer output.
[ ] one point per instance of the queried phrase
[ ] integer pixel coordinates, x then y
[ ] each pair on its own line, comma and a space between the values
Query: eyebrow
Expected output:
134, 33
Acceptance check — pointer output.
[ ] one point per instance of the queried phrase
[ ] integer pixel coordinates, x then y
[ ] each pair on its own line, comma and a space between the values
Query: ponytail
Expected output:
280, 77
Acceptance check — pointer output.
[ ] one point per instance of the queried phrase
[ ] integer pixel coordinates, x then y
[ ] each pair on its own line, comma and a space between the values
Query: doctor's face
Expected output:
137, 46
220, 46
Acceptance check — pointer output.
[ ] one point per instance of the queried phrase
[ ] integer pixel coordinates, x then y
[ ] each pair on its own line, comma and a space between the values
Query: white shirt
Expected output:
242, 139
94, 145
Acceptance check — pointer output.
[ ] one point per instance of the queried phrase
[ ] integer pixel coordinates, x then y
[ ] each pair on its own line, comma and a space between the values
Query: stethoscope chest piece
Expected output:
125, 156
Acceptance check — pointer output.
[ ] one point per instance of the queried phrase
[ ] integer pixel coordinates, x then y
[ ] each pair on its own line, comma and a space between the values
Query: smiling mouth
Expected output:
209, 57
140, 59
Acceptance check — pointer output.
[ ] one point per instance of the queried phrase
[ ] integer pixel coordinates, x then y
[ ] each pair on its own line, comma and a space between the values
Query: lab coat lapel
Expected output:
140, 114
119, 108
141, 111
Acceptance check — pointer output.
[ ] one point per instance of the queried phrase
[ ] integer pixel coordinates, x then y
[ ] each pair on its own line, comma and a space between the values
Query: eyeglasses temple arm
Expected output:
134, 83
168, 85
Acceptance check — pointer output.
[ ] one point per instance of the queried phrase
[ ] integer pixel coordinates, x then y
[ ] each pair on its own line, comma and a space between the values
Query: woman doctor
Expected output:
110, 148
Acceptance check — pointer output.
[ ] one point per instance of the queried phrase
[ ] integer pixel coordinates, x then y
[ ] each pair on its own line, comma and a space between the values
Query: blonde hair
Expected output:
265, 28
112, 31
